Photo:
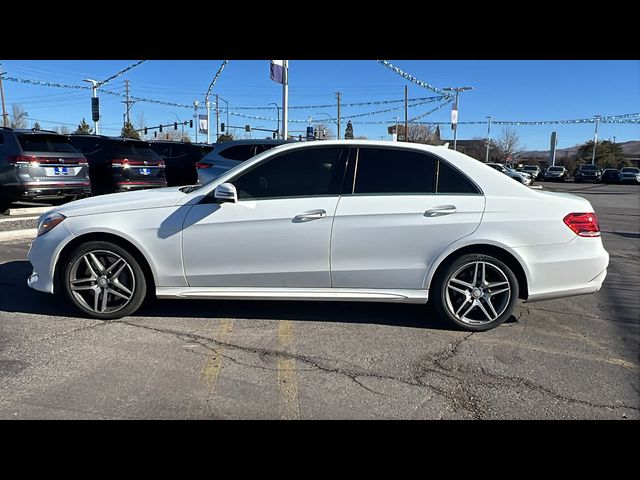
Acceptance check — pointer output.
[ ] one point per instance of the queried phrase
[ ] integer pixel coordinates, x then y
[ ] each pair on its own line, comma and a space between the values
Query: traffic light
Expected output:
247, 128
155, 134
222, 127
190, 123
274, 134
145, 130
160, 128
175, 125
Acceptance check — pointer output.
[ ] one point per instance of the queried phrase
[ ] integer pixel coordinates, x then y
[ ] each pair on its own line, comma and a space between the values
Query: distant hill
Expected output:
630, 149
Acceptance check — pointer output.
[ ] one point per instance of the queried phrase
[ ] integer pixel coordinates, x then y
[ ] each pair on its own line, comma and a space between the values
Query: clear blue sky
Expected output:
524, 90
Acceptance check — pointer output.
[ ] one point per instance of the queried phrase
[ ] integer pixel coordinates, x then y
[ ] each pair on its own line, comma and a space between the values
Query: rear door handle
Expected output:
440, 211
310, 215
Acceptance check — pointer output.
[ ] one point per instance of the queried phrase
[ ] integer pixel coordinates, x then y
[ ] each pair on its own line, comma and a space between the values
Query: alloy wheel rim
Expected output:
102, 281
478, 293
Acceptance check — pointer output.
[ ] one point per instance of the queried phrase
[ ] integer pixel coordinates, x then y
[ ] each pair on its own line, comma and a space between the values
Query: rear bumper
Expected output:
47, 190
576, 268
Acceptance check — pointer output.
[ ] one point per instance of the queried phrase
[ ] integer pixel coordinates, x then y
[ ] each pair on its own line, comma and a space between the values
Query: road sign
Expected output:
310, 133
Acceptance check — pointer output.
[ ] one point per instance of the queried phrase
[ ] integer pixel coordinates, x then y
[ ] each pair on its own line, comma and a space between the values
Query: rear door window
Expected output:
239, 152
46, 143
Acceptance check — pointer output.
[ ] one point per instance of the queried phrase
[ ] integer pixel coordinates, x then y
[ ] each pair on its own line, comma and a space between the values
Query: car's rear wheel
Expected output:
475, 292
104, 281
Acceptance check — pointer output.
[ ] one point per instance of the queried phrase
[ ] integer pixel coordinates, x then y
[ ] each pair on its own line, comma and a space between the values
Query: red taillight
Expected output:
161, 163
583, 224
204, 165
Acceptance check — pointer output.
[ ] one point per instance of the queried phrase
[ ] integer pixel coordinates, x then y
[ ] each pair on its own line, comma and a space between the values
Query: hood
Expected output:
122, 202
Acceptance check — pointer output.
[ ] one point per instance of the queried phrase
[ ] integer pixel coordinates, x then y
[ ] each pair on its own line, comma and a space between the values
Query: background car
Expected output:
587, 173
227, 155
532, 170
118, 164
40, 165
521, 177
629, 174
610, 175
180, 160
556, 173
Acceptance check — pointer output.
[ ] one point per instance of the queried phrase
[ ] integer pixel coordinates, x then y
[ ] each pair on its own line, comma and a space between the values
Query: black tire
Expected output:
4, 205
446, 300
131, 277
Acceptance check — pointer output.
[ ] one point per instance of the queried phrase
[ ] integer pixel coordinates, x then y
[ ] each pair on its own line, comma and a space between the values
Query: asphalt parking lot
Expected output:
574, 358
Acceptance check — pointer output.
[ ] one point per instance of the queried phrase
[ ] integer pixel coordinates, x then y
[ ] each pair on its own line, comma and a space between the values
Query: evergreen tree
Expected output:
84, 128
608, 154
36, 126
348, 134
128, 131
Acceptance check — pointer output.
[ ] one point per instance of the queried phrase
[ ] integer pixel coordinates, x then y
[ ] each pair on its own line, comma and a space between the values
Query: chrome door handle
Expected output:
310, 215
440, 210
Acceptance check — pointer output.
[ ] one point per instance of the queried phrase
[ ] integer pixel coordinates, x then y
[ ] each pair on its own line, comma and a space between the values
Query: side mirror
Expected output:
225, 192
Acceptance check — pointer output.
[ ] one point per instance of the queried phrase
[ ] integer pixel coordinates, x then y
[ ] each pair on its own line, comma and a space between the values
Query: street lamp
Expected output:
486, 158
195, 114
455, 129
330, 118
278, 109
94, 94
595, 140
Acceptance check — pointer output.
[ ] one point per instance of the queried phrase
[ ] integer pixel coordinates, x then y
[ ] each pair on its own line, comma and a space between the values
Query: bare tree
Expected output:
18, 117
63, 130
509, 142
140, 124
421, 134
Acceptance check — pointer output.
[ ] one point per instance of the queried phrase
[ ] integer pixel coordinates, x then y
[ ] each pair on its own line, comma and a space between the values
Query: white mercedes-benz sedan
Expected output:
333, 220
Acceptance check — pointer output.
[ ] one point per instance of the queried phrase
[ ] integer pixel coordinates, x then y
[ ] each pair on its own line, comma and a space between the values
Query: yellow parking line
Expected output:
287, 378
213, 362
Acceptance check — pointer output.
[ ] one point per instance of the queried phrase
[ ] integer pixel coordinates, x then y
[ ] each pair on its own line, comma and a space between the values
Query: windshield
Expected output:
46, 143
589, 167
630, 170
527, 167
555, 169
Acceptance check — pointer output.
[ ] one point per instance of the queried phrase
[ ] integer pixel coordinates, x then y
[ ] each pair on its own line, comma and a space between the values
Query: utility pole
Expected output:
5, 123
613, 152
217, 120
595, 140
338, 94
406, 112
285, 101
195, 114
128, 102
455, 109
486, 158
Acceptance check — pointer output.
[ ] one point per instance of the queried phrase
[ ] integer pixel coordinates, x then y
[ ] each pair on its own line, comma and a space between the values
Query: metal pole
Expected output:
4, 110
613, 152
486, 158
208, 121
397, 129
455, 130
595, 140
285, 100
406, 112
338, 93
278, 119
195, 114
217, 120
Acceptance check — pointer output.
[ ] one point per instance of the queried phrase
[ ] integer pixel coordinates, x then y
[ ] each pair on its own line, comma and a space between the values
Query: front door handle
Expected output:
310, 215
440, 211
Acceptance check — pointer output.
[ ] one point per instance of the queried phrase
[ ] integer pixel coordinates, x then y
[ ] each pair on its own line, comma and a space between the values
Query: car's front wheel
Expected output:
104, 281
475, 292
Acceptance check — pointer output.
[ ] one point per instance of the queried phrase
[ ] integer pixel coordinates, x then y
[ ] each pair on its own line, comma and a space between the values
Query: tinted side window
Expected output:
388, 170
301, 173
238, 152
264, 147
451, 180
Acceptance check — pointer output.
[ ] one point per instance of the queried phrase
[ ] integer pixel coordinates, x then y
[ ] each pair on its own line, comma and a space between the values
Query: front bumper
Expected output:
43, 255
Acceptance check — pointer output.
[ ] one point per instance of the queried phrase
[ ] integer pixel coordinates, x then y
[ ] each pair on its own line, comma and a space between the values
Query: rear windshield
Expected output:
133, 148
556, 169
630, 170
46, 143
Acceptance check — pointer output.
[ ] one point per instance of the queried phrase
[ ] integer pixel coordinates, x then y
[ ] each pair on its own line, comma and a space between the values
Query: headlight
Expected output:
49, 221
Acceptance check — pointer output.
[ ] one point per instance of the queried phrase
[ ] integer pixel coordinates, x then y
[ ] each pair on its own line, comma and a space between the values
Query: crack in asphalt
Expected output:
69, 332
464, 396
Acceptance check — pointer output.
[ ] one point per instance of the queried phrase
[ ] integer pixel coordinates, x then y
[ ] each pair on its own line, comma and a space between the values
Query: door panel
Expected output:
259, 243
388, 241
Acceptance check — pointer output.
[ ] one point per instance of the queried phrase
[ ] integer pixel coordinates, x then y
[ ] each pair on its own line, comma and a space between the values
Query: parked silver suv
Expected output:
40, 164
227, 155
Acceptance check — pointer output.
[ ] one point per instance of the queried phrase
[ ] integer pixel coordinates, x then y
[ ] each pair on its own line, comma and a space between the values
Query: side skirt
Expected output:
314, 294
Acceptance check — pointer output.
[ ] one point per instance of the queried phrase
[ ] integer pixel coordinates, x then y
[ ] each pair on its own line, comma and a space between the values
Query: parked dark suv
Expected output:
587, 173
40, 165
118, 164
180, 160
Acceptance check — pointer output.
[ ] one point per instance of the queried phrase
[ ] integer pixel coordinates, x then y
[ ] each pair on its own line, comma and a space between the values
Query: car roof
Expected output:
252, 141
